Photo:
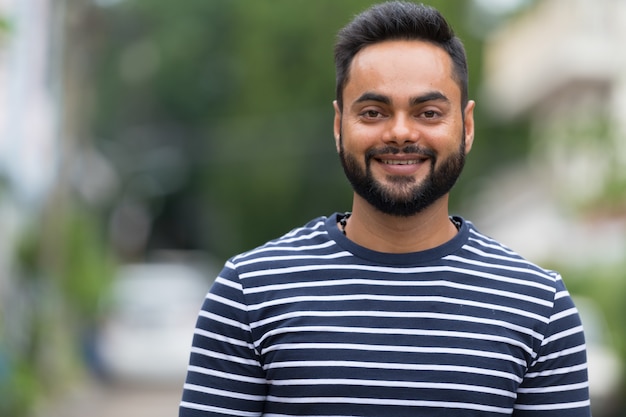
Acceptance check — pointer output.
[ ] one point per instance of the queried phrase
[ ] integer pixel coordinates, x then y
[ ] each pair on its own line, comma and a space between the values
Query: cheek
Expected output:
446, 139
358, 136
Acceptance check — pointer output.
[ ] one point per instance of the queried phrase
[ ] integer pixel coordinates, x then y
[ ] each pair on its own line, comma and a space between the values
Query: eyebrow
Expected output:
424, 98
369, 96
431, 96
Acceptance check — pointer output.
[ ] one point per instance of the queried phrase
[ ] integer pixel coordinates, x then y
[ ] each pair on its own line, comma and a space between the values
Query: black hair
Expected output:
398, 20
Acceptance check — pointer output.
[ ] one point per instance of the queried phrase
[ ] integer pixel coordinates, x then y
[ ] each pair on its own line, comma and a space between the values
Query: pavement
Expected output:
96, 399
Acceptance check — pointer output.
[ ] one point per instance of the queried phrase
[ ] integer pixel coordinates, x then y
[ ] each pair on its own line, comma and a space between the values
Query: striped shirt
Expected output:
312, 324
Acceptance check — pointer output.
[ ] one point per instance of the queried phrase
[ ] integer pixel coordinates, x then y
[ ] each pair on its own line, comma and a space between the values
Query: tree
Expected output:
218, 117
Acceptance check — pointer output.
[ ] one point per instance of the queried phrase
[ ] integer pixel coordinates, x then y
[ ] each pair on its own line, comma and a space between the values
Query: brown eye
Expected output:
371, 113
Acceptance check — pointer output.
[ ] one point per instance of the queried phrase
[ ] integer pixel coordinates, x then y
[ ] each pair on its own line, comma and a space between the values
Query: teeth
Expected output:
396, 162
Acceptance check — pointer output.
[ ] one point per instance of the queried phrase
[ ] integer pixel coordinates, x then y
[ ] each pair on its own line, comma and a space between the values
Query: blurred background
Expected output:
143, 142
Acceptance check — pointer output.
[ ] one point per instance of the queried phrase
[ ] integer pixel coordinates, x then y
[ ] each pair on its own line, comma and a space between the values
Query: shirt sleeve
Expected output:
224, 377
556, 383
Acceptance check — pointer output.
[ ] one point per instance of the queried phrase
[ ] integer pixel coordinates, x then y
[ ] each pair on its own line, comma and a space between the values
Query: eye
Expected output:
371, 114
430, 114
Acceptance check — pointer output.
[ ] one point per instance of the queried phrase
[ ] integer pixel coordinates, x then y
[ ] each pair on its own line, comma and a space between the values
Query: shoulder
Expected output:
535, 292
484, 256
310, 238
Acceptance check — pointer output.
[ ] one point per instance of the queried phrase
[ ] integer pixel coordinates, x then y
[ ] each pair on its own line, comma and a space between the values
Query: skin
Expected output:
401, 93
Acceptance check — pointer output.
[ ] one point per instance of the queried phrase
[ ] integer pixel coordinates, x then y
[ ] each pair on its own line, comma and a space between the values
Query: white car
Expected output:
146, 335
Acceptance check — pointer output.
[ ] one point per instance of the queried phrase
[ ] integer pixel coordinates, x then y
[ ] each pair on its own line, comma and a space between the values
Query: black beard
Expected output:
404, 197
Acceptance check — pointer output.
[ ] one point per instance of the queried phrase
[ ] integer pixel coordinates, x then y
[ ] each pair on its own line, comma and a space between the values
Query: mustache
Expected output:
394, 150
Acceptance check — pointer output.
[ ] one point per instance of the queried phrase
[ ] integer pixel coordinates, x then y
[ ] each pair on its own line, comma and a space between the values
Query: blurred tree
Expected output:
218, 118
4, 26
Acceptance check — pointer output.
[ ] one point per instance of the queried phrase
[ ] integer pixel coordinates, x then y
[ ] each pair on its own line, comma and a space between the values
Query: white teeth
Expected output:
396, 162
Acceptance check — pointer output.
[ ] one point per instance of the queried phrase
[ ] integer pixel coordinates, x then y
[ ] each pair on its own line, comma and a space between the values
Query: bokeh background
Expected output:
143, 142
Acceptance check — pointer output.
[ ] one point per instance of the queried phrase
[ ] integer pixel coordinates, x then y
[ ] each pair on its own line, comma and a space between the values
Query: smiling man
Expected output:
402, 135
395, 308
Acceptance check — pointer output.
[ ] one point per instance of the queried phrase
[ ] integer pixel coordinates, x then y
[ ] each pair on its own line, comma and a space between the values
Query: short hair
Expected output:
398, 20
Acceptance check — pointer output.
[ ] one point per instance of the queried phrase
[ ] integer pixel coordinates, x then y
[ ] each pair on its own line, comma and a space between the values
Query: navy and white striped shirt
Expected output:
312, 324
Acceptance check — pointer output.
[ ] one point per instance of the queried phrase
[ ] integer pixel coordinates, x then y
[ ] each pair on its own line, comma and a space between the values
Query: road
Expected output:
94, 399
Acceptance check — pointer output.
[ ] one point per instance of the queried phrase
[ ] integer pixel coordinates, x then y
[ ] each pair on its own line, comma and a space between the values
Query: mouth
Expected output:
407, 161
401, 164
400, 161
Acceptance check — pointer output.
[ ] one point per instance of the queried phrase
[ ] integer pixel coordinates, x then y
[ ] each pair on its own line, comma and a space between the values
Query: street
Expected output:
94, 399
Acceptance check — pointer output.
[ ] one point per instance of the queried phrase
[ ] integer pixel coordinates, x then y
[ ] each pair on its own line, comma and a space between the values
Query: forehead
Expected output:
402, 66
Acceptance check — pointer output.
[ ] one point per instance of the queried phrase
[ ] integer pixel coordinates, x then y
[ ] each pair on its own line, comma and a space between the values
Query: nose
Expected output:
401, 131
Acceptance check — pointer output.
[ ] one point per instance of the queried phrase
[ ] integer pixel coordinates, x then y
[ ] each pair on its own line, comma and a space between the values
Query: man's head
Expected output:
398, 20
403, 121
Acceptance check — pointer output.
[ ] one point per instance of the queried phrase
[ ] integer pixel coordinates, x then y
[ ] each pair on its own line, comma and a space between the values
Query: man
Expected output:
396, 309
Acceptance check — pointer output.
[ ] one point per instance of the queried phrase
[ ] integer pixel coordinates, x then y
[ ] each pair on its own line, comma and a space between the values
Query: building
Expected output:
561, 63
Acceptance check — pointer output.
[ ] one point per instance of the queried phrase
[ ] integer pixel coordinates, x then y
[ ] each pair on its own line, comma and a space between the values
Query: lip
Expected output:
399, 161
401, 164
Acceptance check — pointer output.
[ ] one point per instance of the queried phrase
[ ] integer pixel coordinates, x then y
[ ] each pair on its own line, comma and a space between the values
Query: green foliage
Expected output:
86, 267
243, 89
63, 269
72, 253
606, 285
5, 29
27, 254
19, 389
4, 25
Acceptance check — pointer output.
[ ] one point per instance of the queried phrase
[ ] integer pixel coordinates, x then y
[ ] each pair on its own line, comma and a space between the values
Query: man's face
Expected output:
402, 135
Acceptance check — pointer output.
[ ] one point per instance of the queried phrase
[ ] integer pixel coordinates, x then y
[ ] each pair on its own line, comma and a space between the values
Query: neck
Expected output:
381, 232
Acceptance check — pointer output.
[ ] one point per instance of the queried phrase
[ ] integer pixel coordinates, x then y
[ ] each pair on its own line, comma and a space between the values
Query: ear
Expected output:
469, 125
337, 125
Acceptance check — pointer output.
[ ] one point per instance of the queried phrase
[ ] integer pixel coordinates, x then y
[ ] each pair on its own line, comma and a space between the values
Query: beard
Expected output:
403, 195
